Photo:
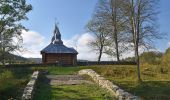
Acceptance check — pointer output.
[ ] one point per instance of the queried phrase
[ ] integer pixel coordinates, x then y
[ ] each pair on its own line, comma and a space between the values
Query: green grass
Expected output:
53, 70
63, 71
69, 92
148, 90
155, 85
13, 81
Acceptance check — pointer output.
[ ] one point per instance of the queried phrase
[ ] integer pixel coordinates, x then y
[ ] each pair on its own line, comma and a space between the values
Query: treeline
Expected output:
123, 25
155, 58
15, 59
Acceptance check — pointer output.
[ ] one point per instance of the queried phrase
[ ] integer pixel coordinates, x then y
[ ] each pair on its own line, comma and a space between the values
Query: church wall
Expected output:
64, 59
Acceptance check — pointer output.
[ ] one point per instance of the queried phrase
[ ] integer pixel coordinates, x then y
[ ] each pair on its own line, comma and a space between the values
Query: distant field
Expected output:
156, 80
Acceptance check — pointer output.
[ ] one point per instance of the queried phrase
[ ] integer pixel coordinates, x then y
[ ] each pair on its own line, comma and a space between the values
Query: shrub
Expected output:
166, 57
12, 82
151, 58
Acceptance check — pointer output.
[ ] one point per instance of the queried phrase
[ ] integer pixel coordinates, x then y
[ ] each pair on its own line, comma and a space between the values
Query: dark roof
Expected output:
56, 45
58, 48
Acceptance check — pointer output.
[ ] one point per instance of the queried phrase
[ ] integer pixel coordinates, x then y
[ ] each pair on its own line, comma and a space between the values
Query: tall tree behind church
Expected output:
142, 16
110, 15
97, 27
117, 27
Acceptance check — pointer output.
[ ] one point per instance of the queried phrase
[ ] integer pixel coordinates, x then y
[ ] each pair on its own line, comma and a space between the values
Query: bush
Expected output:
166, 57
12, 82
5, 75
151, 58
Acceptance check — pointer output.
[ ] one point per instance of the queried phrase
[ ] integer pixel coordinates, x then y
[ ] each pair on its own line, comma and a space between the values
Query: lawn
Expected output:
13, 80
155, 85
44, 91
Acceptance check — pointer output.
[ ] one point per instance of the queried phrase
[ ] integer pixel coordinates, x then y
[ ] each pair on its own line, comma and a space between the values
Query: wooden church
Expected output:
57, 52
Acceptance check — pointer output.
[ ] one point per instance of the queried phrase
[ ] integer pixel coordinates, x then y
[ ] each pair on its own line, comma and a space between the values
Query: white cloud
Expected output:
33, 43
168, 45
80, 43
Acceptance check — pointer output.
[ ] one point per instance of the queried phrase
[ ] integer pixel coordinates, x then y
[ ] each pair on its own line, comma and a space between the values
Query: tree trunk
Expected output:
100, 54
3, 55
115, 30
117, 47
137, 42
137, 61
114, 15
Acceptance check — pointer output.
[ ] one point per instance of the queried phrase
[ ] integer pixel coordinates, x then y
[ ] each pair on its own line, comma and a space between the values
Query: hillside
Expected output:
16, 59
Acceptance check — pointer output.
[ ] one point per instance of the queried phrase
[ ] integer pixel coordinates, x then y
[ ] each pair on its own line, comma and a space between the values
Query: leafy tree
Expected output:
12, 12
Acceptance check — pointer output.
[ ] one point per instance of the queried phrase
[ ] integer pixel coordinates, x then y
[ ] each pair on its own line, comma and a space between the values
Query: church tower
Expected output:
56, 39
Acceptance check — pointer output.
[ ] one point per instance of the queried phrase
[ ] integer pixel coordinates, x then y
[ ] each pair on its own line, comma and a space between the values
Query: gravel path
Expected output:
67, 79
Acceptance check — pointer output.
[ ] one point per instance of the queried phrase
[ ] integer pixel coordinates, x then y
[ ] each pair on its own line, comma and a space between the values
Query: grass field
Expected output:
155, 85
69, 92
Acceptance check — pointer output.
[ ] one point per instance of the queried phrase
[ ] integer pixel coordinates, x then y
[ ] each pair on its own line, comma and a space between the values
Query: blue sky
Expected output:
164, 20
73, 15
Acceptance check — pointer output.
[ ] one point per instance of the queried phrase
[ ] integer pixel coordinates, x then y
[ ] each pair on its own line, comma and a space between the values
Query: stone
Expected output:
29, 89
101, 81
115, 88
119, 92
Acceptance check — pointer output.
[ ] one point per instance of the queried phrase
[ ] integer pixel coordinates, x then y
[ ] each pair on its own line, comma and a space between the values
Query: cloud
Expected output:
80, 43
34, 42
168, 44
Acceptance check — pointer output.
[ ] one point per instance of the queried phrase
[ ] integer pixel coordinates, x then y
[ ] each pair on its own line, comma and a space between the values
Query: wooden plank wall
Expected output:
66, 59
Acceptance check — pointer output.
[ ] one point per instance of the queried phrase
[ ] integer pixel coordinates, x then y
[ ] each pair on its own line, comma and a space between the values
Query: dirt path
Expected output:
67, 79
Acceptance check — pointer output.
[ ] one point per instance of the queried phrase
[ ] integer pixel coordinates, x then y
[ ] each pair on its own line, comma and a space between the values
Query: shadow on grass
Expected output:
148, 90
43, 89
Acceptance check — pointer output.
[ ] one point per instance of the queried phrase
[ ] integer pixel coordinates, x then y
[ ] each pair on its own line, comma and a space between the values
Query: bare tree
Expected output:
117, 25
110, 13
97, 27
114, 8
141, 15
